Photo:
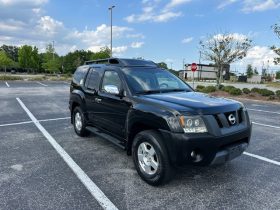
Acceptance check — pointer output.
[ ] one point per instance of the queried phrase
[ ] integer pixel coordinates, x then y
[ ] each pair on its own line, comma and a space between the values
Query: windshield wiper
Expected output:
148, 91
175, 90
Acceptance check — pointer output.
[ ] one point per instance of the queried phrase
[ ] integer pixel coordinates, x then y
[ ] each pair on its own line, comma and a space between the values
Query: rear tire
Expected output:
79, 122
151, 158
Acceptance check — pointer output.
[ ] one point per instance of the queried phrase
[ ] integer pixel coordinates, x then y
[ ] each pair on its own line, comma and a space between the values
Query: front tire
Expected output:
79, 122
151, 158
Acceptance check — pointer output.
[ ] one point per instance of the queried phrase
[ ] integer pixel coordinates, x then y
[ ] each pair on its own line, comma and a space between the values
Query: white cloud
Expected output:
226, 3
99, 36
119, 50
153, 11
11, 25
140, 36
26, 24
23, 2
258, 6
166, 16
249, 6
49, 26
175, 3
257, 56
136, 44
187, 40
235, 36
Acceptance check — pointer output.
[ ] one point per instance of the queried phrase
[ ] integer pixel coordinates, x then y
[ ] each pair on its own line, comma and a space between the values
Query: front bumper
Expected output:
205, 149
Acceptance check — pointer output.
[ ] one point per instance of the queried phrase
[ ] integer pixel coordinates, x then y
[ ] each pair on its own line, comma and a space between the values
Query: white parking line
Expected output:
7, 84
258, 110
19, 123
68, 83
88, 183
42, 84
27, 122
262, 158
54, 119
271, 126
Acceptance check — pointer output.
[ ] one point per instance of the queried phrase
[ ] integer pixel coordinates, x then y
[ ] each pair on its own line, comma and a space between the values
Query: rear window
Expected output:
79, 75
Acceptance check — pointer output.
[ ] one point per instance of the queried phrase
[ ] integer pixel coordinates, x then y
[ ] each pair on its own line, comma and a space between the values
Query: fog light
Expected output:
197, 157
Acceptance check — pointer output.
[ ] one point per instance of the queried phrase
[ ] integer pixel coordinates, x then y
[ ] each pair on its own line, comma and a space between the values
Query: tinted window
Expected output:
93, 79
111, 78
153, 79
79, 75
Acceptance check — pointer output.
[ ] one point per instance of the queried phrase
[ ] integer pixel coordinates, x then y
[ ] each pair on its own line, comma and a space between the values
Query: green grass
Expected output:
274, 84
9, 77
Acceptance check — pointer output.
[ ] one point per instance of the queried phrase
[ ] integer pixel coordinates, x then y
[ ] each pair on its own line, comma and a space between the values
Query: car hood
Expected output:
193, 102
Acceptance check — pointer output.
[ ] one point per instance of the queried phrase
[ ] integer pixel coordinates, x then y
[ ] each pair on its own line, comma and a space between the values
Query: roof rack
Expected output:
123, 62
104, 61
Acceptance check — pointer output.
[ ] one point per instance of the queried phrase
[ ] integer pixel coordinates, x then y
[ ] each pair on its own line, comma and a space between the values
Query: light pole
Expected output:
200, 67
53, 51
111, 46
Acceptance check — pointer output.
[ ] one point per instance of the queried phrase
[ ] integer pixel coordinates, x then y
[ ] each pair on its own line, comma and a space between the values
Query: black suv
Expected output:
156, 117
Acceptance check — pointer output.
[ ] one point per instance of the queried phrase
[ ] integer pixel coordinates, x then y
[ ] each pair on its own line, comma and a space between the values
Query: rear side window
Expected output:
93, 79
79, 75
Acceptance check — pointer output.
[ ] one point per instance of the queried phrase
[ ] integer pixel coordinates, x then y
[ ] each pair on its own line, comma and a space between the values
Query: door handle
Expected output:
97, 100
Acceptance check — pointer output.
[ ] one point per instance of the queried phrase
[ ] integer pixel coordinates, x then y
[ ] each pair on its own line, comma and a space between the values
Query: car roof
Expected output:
121, 62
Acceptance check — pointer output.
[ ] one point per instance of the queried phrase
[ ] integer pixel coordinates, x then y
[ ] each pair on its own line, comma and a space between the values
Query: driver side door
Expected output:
111, 107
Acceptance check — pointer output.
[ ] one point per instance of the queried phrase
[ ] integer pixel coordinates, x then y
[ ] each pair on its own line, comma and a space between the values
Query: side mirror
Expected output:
112, 89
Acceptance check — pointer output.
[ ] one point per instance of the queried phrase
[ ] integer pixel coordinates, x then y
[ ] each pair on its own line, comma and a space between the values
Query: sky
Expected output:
158, 30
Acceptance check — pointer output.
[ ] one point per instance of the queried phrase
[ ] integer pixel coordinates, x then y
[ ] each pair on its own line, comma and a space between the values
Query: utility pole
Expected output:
111, 46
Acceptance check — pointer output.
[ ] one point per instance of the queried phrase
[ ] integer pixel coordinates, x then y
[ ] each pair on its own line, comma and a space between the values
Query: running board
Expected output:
106, 136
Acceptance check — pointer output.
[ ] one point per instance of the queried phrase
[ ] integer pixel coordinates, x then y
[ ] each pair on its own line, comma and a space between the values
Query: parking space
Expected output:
34, 176
3, 84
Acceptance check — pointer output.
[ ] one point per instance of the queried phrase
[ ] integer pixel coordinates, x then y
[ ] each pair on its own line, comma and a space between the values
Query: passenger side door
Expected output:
111, 108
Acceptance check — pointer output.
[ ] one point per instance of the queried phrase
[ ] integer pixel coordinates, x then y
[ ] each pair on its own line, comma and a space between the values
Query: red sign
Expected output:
194, 67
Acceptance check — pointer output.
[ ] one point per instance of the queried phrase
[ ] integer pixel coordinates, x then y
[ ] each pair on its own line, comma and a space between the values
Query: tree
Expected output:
276, 29
162, 65
29, 58
278, 75
224, 49
51, 61
11, 52
25, 56
256, 71
5, 61
74, 59
35, 60
249, 71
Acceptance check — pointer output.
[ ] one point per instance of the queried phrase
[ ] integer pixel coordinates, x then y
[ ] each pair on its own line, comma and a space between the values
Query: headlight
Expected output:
193, 124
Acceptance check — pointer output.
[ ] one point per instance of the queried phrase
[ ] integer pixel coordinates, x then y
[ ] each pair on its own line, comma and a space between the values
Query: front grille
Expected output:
229, 119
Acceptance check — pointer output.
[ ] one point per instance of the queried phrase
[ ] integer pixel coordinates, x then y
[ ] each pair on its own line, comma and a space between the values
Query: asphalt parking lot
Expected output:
38, 156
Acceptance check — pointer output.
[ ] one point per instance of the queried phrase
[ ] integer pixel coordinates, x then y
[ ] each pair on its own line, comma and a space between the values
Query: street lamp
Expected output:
111, 11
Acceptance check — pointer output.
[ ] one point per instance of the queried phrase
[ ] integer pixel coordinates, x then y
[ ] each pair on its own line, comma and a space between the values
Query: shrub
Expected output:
200, 88
209, 89
266, 92
255, 90
246, 90
235, 91
277, 92
228, 88
221, 87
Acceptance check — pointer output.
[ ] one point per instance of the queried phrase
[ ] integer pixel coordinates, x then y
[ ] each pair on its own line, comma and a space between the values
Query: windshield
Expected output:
153, 80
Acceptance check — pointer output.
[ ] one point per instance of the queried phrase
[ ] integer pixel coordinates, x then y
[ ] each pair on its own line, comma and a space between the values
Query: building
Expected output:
203, 72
